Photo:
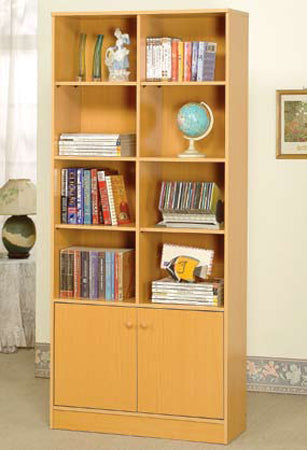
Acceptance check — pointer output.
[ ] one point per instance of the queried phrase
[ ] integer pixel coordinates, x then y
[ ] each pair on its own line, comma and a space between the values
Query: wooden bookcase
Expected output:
135, 367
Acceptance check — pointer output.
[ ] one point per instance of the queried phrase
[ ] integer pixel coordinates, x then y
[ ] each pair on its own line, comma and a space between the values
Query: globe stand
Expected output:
191, 151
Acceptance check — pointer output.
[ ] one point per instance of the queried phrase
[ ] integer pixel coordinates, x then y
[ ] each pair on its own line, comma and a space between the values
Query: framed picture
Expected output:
291, 137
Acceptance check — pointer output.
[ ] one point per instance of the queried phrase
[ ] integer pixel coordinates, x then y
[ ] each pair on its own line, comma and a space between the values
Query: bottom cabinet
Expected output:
180, 363
95, 356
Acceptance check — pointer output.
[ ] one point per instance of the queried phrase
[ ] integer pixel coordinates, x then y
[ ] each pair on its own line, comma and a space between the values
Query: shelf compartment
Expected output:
150, 254
67, 31
125, 168
159, 106
189, 27
97, 109
153, 173
86, 238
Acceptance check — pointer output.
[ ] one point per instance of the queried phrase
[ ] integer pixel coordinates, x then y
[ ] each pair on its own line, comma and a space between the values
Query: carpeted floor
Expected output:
275, 422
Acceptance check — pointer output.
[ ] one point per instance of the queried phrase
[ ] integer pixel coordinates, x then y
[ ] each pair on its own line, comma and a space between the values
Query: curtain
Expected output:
18, 89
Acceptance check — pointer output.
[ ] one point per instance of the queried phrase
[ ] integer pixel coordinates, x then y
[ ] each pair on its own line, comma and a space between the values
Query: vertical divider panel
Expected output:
137, 171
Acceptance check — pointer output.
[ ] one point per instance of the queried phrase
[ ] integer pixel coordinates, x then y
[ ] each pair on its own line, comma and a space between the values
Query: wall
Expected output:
277, 293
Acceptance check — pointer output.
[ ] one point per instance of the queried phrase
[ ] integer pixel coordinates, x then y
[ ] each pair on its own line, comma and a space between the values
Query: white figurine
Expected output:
117, 58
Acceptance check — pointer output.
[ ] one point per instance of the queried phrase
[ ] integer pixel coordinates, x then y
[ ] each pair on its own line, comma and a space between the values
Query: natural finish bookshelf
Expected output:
135, 367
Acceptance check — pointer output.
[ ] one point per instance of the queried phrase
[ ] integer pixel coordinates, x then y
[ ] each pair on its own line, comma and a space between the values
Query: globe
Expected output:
195, 121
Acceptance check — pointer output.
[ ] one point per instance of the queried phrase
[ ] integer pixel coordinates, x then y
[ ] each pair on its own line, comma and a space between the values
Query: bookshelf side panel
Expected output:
236, 222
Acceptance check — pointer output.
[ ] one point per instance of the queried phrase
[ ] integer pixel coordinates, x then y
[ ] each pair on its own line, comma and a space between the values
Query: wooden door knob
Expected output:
144, 326
129, 325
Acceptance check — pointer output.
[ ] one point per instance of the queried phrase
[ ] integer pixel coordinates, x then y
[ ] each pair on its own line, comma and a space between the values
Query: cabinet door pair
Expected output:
162, 361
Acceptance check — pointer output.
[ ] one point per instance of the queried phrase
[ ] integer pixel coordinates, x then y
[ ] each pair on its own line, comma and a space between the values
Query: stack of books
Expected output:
170, 59
191, 204
206, 293
95, 144
97, 273
93, 197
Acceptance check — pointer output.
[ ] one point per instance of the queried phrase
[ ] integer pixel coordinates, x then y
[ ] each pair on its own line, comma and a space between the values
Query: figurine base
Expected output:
119, 75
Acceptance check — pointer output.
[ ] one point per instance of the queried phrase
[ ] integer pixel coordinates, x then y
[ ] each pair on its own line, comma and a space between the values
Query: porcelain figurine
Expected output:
117, 59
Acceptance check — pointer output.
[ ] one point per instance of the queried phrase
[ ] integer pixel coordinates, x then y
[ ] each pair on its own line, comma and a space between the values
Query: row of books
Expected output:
207, 293
171, 59
195, 204
97, 273
93, 197
97, 144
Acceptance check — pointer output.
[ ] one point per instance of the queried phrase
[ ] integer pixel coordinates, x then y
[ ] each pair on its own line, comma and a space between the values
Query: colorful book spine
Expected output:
77, 273
101, 276
72, 197
194, 60
63, 273
93, 274
209, 61
187, 61
175, 43
116, 255
80, 197
180, 61
85, 274
120, 293
112, 275
111, 201
102, 185
87, 197
108, 281
120, 199
64, 195
94, 197
70, 274
200, 61
166, 58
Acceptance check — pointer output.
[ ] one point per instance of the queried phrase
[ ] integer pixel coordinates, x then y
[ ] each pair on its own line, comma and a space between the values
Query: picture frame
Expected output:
291, 124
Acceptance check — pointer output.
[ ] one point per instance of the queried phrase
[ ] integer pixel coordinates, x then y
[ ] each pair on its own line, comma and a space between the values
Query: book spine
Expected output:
187, 61
112, 275
209, 61
101, 277
149, 66
120, 276
158, 59
94, 195
180, 61
166, 59
116, 275
108, 276
77, 273
93, 275
64, 195
111, 201
80, 206
70, 274
84, 274
175, 43
87, 197
200, 61
102, 185
72, 196
194, 60
63, 273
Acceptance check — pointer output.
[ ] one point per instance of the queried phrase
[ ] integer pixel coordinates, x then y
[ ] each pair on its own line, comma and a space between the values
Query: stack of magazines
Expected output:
95, 144
206, 293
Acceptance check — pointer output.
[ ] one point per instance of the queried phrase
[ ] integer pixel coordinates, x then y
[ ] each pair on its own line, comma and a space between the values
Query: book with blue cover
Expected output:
87, 197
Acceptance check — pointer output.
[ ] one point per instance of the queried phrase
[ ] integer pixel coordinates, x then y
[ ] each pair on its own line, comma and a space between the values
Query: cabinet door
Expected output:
95, 356
180, 362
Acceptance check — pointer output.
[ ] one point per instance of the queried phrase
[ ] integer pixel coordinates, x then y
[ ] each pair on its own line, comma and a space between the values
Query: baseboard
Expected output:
264, 374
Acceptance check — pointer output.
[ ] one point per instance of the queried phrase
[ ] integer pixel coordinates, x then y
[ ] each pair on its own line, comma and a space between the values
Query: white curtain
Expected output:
18, 89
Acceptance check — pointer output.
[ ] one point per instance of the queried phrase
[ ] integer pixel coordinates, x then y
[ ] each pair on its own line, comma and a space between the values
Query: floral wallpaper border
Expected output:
280, 375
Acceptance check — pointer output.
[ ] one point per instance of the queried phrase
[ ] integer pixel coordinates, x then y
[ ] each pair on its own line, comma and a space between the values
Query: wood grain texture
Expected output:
95, 357
140, 425
180, 357
236, 223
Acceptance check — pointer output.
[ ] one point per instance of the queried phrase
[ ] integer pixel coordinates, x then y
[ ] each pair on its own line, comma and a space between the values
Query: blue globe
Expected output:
193, 120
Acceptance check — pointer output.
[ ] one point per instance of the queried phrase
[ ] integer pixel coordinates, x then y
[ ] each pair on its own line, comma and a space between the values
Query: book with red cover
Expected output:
120, 199
102, 186
77, 273
175, 44
94, 193
187, 71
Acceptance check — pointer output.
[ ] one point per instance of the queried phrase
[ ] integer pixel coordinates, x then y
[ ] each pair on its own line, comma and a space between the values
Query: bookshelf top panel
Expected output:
170, 13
